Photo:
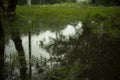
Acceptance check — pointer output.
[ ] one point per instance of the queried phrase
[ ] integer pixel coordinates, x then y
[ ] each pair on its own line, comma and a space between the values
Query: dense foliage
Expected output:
106, 2
45, 1
97, 2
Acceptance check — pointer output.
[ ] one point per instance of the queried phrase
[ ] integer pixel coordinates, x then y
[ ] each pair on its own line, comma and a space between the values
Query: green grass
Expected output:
58, 15
50, 14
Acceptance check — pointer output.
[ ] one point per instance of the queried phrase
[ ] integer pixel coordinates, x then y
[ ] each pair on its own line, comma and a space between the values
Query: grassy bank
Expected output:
62, 13
58, 15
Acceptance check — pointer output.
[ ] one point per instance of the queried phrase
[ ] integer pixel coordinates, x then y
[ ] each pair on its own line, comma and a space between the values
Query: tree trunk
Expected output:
11, 6
30, 65
16, 39
18, 45
29, 2
2, 45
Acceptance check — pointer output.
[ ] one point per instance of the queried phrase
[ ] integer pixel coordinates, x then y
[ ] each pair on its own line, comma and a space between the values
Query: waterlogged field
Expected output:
68, 42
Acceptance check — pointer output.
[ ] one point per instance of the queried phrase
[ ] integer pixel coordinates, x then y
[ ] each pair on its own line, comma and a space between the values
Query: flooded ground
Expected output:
44, 38
39, 43
75, 50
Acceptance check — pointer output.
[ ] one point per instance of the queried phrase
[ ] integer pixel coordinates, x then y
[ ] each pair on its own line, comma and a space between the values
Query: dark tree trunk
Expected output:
30, 65
93, 1
2, 44
18, 45
11, 6
2, 8
16, 39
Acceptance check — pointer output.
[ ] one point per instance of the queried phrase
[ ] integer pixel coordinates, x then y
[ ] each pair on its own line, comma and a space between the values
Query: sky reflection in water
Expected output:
45, 37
